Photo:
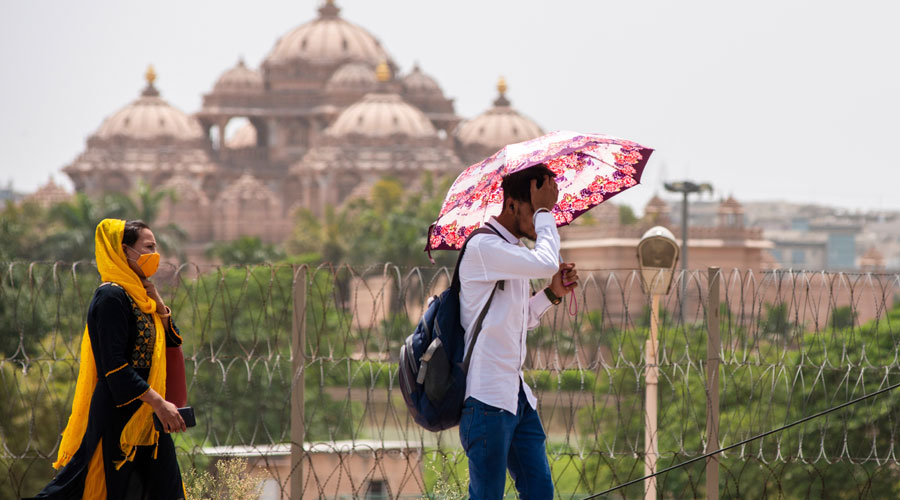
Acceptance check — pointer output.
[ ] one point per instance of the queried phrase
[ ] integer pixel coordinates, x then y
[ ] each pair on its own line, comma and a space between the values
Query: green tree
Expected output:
777, 320
323, 239
756, 396
22, 227
244, 251
391, 225
843, 318
626, 215
236, 323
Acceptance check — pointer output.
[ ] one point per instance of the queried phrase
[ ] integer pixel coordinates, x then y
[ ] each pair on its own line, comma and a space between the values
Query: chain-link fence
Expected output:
294, 369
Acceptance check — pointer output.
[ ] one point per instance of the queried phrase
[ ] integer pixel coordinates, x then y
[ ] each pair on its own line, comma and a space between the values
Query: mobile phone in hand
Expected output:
187, 414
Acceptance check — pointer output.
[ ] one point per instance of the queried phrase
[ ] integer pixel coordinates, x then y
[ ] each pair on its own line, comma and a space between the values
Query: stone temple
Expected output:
325, 115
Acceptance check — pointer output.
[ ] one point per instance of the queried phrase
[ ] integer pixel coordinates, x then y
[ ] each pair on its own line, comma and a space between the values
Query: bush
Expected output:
232, 481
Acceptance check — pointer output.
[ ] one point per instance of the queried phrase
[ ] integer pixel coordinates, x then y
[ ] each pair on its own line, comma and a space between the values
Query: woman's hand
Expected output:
166, 412
153, 293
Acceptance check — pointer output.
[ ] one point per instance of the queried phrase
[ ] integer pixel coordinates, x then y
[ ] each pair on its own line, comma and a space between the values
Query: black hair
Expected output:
133, 230
517, 185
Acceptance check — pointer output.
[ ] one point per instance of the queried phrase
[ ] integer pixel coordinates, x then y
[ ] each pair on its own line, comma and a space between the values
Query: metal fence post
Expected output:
651, 404
713, 348
298, 357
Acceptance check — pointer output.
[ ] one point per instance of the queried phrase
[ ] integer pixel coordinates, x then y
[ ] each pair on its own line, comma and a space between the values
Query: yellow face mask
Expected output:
147, 262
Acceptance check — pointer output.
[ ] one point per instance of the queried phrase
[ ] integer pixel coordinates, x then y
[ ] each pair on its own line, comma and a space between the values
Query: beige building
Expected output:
365, 469
602, 242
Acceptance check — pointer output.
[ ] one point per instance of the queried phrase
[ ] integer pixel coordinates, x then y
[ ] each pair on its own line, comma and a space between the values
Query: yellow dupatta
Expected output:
139, 431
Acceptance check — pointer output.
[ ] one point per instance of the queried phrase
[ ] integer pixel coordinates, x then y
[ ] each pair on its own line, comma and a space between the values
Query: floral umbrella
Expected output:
590, 168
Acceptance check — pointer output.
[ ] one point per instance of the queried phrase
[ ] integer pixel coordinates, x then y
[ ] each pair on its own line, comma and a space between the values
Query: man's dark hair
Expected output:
517, 185
133, 229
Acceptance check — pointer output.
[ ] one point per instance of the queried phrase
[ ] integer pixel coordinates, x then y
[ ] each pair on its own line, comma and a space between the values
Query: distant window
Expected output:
798, 257
377, 490
841, 251
344, 44
303, 44
800, 224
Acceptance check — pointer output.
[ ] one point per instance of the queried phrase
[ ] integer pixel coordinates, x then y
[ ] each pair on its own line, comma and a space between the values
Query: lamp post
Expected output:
685, 188
657, 254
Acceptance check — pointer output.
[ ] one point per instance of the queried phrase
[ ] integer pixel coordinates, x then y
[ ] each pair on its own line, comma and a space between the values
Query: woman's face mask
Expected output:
148, 263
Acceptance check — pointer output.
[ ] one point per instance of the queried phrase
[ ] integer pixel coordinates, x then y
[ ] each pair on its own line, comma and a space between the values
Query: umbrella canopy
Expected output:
589, 168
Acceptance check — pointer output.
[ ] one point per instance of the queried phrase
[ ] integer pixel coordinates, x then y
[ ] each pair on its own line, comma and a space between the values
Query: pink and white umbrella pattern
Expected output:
589, 168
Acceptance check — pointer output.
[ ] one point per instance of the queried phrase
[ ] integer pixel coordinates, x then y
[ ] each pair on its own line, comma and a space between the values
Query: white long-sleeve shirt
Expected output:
495, 369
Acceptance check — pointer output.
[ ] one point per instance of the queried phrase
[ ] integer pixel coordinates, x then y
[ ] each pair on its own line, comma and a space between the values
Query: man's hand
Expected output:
565, 280
546, 196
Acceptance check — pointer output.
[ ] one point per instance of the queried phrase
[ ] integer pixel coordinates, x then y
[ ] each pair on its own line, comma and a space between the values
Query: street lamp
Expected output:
657, 254
685, 188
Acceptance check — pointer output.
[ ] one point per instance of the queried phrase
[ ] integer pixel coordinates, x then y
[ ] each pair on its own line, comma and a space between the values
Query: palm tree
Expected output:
144, 204
331, 238
76, 222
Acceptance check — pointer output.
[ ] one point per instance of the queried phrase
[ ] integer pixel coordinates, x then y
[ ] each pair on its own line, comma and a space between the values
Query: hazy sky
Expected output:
795, 100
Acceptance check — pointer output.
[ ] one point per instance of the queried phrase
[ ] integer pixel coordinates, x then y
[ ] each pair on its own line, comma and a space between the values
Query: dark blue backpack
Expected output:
432, 366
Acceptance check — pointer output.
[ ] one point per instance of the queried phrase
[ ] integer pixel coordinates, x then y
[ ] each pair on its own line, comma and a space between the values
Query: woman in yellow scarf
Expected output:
110, 448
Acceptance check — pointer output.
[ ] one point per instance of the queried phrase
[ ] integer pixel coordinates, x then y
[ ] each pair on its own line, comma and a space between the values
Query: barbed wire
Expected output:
792, 344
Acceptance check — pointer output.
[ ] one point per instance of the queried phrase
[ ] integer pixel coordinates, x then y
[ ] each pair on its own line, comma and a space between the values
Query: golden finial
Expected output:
383, 72
329, 9
501, 85
150, 75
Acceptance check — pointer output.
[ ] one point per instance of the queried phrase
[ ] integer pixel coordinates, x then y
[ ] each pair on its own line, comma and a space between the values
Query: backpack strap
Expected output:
486, 229
478, 323
454, 282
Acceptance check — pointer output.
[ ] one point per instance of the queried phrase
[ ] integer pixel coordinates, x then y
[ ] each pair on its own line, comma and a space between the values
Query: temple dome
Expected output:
245, 137
327, 39
246, 188
150, 117
248, 208
49, 194
382, 115
352, 76
498, 126
730, 204
189, 208
419, 82
186, 190
656, 205
240, 78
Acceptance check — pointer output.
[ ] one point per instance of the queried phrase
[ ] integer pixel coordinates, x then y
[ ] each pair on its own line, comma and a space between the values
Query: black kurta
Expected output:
122, 339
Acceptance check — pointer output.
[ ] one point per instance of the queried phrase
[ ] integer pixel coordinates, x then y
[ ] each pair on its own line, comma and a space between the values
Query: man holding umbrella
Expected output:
500, 428
543, 183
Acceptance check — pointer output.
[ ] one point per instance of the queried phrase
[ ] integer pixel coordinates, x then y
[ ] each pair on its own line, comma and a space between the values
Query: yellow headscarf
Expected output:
139, 431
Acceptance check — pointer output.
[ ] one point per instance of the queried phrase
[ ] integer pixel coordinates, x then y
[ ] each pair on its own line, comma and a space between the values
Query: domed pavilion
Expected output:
485, 134
351, 152
148, 140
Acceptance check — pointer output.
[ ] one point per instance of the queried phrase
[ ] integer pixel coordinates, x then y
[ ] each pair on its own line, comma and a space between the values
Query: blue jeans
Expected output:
496, 440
